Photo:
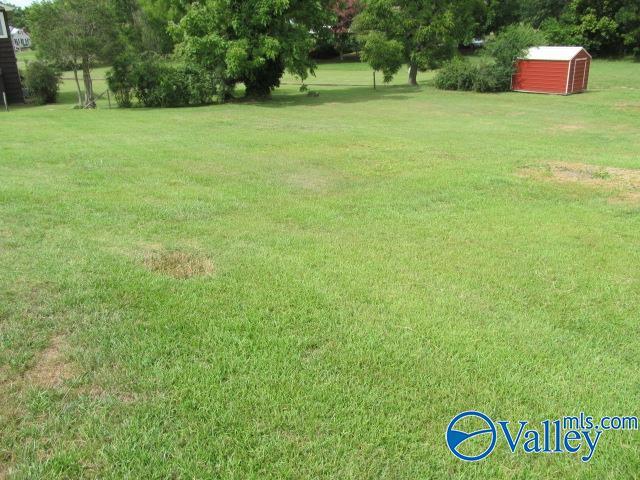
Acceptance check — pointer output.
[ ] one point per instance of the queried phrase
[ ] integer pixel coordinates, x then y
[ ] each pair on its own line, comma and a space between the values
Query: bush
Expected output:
120, 80
492, 77
42, 82
458, 74
494, 73
161, 85
156, 83
558, 33
513, 42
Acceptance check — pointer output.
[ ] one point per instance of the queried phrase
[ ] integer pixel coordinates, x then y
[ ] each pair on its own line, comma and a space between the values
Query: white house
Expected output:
21, 39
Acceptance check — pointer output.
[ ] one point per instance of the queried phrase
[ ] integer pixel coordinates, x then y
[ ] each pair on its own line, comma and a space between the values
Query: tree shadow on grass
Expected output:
287, 96
322, 95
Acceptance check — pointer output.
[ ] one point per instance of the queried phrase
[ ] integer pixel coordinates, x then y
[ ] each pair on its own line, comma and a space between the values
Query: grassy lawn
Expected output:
312, 287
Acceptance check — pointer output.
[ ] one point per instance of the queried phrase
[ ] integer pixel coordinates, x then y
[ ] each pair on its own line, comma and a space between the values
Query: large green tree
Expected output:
75, 34
251, 41
158, 14
604, 28
500, 13
428, 32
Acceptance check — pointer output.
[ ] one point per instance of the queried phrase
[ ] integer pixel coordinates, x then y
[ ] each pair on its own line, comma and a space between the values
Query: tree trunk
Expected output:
413, 74
89, 100
78, 89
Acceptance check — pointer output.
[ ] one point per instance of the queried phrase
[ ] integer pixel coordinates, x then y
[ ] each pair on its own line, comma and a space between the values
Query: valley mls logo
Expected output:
472, 436
456, 438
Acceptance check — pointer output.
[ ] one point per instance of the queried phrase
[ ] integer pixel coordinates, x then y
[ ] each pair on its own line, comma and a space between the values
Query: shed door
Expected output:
579, 75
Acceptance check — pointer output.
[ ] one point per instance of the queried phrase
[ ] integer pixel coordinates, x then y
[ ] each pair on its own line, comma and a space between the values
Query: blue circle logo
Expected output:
456, 438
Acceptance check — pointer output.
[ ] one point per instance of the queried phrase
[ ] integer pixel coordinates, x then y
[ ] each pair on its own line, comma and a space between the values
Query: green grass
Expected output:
372, 264
26, 56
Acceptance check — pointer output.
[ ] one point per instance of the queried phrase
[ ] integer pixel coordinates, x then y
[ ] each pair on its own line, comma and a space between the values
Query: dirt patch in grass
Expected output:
313, 181
630, 106
567, 127
623, 182
178, 264
52, 369
97, 392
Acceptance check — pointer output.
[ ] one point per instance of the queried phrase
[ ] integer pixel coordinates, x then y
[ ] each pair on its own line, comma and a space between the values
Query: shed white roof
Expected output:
553, 53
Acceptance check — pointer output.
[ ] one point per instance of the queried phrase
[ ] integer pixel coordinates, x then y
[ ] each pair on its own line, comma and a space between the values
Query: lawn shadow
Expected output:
324, 95
287, 96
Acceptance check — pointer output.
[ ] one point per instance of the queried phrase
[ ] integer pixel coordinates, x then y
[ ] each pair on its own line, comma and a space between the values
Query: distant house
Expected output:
10, 85
21, 39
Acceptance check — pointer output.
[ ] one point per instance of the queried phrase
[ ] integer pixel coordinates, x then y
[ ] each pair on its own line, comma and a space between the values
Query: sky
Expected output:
20, 3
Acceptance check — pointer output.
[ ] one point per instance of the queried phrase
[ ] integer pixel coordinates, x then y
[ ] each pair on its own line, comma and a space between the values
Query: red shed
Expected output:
559, 70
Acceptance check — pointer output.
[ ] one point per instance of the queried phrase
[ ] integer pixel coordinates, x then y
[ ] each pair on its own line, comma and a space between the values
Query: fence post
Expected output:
374, 79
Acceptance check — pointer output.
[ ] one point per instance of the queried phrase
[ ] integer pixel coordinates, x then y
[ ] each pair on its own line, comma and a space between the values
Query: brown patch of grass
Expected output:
52, 369
633, 106
625, 182
178, 264
97, 392
567, 127
318, 179
4, 471
309, 180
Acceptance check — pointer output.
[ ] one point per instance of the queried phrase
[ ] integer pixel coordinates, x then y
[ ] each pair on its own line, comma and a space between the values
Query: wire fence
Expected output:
108, 94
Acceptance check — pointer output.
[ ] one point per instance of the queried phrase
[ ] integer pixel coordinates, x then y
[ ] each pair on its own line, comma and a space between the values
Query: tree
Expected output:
500, 13
383, 55
49, 36
427, 31
609, 27
158, 14
251, 41
75, 33
628, 17
512, 43
17, 16
535, 12
345, 11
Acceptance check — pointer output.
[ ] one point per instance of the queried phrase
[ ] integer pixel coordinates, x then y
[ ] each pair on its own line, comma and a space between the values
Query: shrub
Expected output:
156, 83
42, 82
458, 74
513, 42
120, 80
494, 73
492, 77
165, 87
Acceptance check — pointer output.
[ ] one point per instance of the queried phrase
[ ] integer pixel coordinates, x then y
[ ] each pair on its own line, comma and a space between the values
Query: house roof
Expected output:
6, 8
553, 53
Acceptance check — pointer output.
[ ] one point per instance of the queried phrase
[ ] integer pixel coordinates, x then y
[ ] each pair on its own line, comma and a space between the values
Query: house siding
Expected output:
9, 67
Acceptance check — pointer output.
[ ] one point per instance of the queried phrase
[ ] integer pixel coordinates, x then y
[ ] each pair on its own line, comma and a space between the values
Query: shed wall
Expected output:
545, 76
579, 77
